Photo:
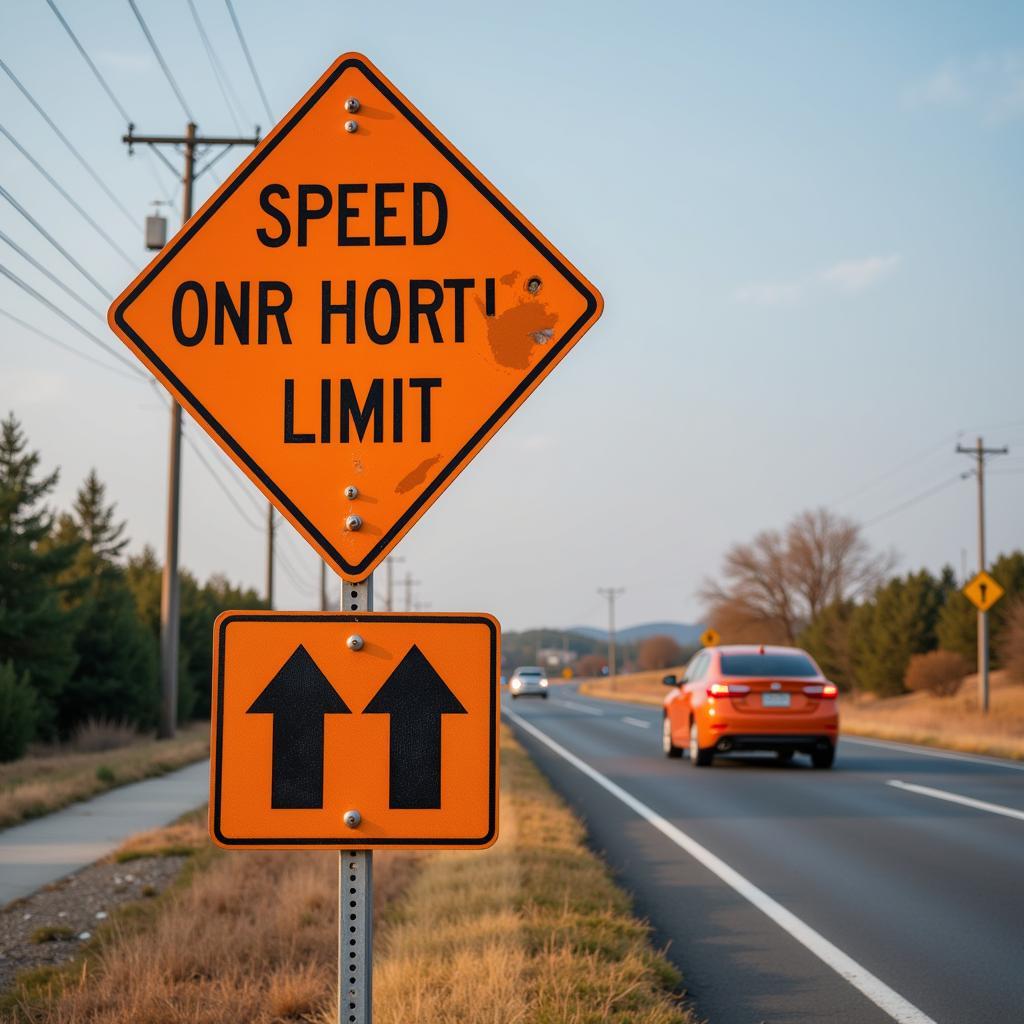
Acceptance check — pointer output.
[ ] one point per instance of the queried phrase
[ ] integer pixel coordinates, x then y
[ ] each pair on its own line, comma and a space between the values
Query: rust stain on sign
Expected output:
513, 334
410, 480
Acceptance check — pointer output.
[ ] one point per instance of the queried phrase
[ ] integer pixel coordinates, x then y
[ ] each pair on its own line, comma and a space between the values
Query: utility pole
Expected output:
270, 555
170, 600
610, 593
979, 452
323, 586
389, 592
409, 583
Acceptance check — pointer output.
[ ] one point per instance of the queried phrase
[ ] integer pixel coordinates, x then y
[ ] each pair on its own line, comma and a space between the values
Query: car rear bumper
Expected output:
803, 743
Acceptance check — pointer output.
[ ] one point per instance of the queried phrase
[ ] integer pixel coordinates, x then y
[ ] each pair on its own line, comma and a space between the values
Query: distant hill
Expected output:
683, 633
520, 648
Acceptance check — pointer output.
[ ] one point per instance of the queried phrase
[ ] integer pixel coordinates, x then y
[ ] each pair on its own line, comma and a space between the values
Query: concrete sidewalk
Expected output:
41, 851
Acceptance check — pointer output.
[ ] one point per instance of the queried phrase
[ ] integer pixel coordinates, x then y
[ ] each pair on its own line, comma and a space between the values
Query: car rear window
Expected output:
768, 665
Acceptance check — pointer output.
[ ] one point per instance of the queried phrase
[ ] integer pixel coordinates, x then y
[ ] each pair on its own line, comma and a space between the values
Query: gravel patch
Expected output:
50, 926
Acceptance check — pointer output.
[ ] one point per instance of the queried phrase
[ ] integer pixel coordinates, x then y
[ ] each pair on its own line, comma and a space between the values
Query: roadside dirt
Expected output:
49, 927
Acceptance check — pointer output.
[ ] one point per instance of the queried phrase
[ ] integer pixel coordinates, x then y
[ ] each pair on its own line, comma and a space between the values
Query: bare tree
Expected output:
770, 588
659, 652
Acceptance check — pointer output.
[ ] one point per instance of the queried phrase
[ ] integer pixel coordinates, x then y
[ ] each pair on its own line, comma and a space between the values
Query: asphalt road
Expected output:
787, 895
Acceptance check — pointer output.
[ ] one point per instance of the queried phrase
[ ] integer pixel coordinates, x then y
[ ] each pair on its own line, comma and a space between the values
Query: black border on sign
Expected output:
349, 841
461, 456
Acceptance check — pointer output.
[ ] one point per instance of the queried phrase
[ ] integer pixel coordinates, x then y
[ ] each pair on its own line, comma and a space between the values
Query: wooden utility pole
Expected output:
170, 601
611, 593
979, 452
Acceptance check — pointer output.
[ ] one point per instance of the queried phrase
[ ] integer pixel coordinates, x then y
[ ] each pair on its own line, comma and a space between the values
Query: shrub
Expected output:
938, 672
1011, 642
19, 713
96, 735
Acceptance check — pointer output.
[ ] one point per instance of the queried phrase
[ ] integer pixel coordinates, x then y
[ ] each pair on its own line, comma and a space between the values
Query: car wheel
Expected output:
700, 757
515, 696
669, 749
823, 758
784, 756
544, 695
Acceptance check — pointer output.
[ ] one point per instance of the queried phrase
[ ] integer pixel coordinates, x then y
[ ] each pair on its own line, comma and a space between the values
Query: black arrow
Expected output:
298, 697
415, 697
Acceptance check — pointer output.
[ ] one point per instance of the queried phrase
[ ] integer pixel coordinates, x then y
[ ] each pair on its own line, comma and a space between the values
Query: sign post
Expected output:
983, 591
710, 637
351, 317
355, 887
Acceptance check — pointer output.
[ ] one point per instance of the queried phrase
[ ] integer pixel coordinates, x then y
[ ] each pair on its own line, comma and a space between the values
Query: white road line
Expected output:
954, 798
580, 707
636, 721
948, 755
863, 980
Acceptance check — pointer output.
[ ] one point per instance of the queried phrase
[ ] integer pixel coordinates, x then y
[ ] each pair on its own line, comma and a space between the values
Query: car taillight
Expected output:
728, 689
827, 690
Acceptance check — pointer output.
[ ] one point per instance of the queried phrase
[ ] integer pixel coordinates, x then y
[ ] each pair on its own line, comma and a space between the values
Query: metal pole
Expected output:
270, 555
170, 589
982, 615
355, 888
323, 586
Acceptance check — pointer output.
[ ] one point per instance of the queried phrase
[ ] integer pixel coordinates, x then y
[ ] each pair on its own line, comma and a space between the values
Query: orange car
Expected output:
751, 698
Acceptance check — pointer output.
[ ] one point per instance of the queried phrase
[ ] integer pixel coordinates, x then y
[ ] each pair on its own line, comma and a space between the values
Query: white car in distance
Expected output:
528, 681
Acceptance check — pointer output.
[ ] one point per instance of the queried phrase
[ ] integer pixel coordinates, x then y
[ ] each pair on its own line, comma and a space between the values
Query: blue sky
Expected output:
806, 221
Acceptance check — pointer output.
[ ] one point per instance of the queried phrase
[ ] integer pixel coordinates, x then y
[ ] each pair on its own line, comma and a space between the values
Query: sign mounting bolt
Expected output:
352, 104
351, 126
354, 642
352, 819
351, 492
354, 523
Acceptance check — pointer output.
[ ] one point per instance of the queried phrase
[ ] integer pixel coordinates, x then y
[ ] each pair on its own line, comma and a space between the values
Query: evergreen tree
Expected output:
19, 712
200, 606
216, 596
828, 640
35, 633
900, 620
958, 623
116, 672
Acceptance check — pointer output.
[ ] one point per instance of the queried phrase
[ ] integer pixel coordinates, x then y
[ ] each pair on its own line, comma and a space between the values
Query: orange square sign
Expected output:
354, 314
338, 730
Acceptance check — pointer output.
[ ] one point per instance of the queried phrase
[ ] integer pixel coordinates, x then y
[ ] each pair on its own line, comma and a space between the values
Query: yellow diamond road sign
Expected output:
983, 591
710, 638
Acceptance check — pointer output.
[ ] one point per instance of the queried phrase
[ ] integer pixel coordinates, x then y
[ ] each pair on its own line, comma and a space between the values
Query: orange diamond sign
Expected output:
354, 314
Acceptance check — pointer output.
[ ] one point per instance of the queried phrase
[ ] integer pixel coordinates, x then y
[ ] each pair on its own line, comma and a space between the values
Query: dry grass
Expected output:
49, 779
532, 931
951, 722
243, 937
636, 688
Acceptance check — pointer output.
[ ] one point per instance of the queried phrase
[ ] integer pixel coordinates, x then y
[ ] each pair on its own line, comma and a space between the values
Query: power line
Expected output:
160, 59
29, 258
88, 60
218, 70
67, 195
64, 345
917, 498
67, 142
248, 57
53, 241
218, 479
54, 308
875, 480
